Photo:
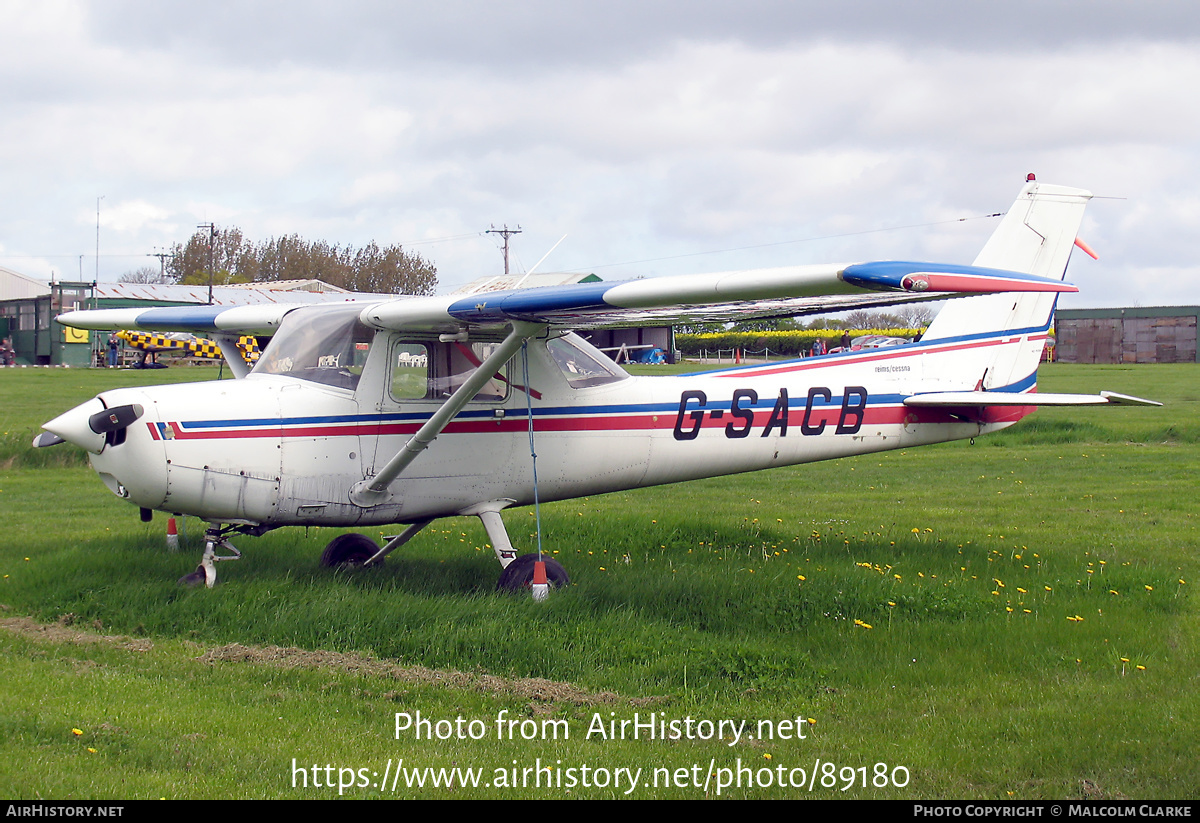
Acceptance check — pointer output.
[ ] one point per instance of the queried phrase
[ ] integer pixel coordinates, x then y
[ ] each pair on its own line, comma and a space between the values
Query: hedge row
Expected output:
793, 342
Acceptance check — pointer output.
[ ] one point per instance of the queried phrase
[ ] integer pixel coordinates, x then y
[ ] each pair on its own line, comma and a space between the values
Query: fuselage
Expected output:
277, 449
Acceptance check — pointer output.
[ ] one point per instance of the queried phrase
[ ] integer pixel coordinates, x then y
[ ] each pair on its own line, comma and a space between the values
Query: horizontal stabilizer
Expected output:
989, 398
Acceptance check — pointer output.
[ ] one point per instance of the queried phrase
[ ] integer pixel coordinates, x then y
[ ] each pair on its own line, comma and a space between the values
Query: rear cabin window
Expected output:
430, 370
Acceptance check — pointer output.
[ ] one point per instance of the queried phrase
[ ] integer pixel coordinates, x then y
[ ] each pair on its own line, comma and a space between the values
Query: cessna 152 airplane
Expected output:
412, 409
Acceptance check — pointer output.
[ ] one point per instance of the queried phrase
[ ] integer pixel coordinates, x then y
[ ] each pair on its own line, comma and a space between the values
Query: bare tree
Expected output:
917, 315
145, 275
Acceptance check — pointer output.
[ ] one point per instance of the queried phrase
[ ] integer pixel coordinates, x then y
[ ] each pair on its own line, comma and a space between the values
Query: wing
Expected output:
735, 295
790, 291
260, 319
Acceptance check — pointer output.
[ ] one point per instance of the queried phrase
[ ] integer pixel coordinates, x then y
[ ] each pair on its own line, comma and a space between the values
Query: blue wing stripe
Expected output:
199, 317
529, 303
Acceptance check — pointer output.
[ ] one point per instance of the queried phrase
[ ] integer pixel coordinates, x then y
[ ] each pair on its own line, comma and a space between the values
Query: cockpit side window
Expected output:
325, 345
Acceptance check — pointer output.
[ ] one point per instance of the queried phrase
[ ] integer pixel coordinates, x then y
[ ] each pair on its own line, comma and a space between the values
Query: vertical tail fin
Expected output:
1036, 236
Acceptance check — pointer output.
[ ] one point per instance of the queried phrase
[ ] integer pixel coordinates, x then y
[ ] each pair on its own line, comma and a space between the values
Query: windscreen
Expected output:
324, 345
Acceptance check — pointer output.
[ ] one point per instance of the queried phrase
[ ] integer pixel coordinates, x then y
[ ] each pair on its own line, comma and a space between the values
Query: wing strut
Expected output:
374, 490
233, 356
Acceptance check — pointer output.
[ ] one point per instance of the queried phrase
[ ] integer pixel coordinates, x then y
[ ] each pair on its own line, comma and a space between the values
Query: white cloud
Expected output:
640, 134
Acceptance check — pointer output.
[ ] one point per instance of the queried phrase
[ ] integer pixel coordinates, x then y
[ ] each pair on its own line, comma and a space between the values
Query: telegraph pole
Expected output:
162, 264
506, 233
212, 239
98, 199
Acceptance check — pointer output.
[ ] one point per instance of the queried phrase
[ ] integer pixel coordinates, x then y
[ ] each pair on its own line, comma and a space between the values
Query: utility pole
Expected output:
212, 239
162, 264
506, 233
98, 199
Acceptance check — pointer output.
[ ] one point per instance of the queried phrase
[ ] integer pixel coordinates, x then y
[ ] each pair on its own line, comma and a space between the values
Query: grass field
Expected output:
1010, 619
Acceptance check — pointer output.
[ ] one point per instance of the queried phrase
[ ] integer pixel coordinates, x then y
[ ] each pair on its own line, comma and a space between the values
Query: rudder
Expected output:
1036, 237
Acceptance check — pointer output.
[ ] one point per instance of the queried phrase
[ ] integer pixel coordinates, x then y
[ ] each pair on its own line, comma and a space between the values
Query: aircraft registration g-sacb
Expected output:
416, 408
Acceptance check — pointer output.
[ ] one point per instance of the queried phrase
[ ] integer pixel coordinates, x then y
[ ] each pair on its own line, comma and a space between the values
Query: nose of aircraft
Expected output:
112, 429
90, 425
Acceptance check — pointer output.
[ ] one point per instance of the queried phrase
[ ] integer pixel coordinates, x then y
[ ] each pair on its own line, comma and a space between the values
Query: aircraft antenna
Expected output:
517, 285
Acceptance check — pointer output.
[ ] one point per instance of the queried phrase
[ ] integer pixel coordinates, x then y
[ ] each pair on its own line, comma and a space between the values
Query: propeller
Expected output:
46, 439
115, 419
90, 426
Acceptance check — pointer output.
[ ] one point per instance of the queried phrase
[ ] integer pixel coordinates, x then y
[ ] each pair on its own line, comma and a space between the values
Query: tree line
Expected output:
235, 259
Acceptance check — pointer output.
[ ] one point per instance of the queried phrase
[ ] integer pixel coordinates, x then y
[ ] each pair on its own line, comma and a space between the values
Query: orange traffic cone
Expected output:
541, 589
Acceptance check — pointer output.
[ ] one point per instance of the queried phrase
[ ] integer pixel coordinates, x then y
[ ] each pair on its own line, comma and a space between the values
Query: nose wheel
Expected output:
206, 572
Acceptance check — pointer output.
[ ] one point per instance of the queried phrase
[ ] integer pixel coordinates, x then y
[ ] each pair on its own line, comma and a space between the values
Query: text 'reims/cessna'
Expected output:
412, 409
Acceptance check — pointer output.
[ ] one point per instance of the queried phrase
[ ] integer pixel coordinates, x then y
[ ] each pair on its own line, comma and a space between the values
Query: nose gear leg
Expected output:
206, 573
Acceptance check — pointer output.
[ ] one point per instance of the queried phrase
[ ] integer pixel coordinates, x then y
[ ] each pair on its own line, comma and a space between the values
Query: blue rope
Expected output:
537, 506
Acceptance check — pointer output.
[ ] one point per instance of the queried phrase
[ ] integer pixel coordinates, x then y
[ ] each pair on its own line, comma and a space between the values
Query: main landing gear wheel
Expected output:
518, 575
348, 551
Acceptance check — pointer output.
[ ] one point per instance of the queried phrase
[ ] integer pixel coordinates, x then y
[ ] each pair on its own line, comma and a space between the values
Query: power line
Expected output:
441, 239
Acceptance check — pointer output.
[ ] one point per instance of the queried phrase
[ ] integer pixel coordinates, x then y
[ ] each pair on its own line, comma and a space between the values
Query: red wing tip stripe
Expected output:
976, 284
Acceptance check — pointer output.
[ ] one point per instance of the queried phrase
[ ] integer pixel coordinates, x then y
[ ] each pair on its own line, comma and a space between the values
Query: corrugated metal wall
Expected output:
1163, 339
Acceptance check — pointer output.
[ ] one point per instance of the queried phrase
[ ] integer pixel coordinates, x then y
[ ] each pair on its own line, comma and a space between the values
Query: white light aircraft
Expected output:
413, 409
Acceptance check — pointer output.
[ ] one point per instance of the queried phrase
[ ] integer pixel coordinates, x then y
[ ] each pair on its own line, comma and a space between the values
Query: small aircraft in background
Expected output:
182, 344
417, 408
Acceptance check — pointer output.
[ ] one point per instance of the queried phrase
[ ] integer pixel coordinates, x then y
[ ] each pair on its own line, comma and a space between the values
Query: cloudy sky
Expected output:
658, 137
